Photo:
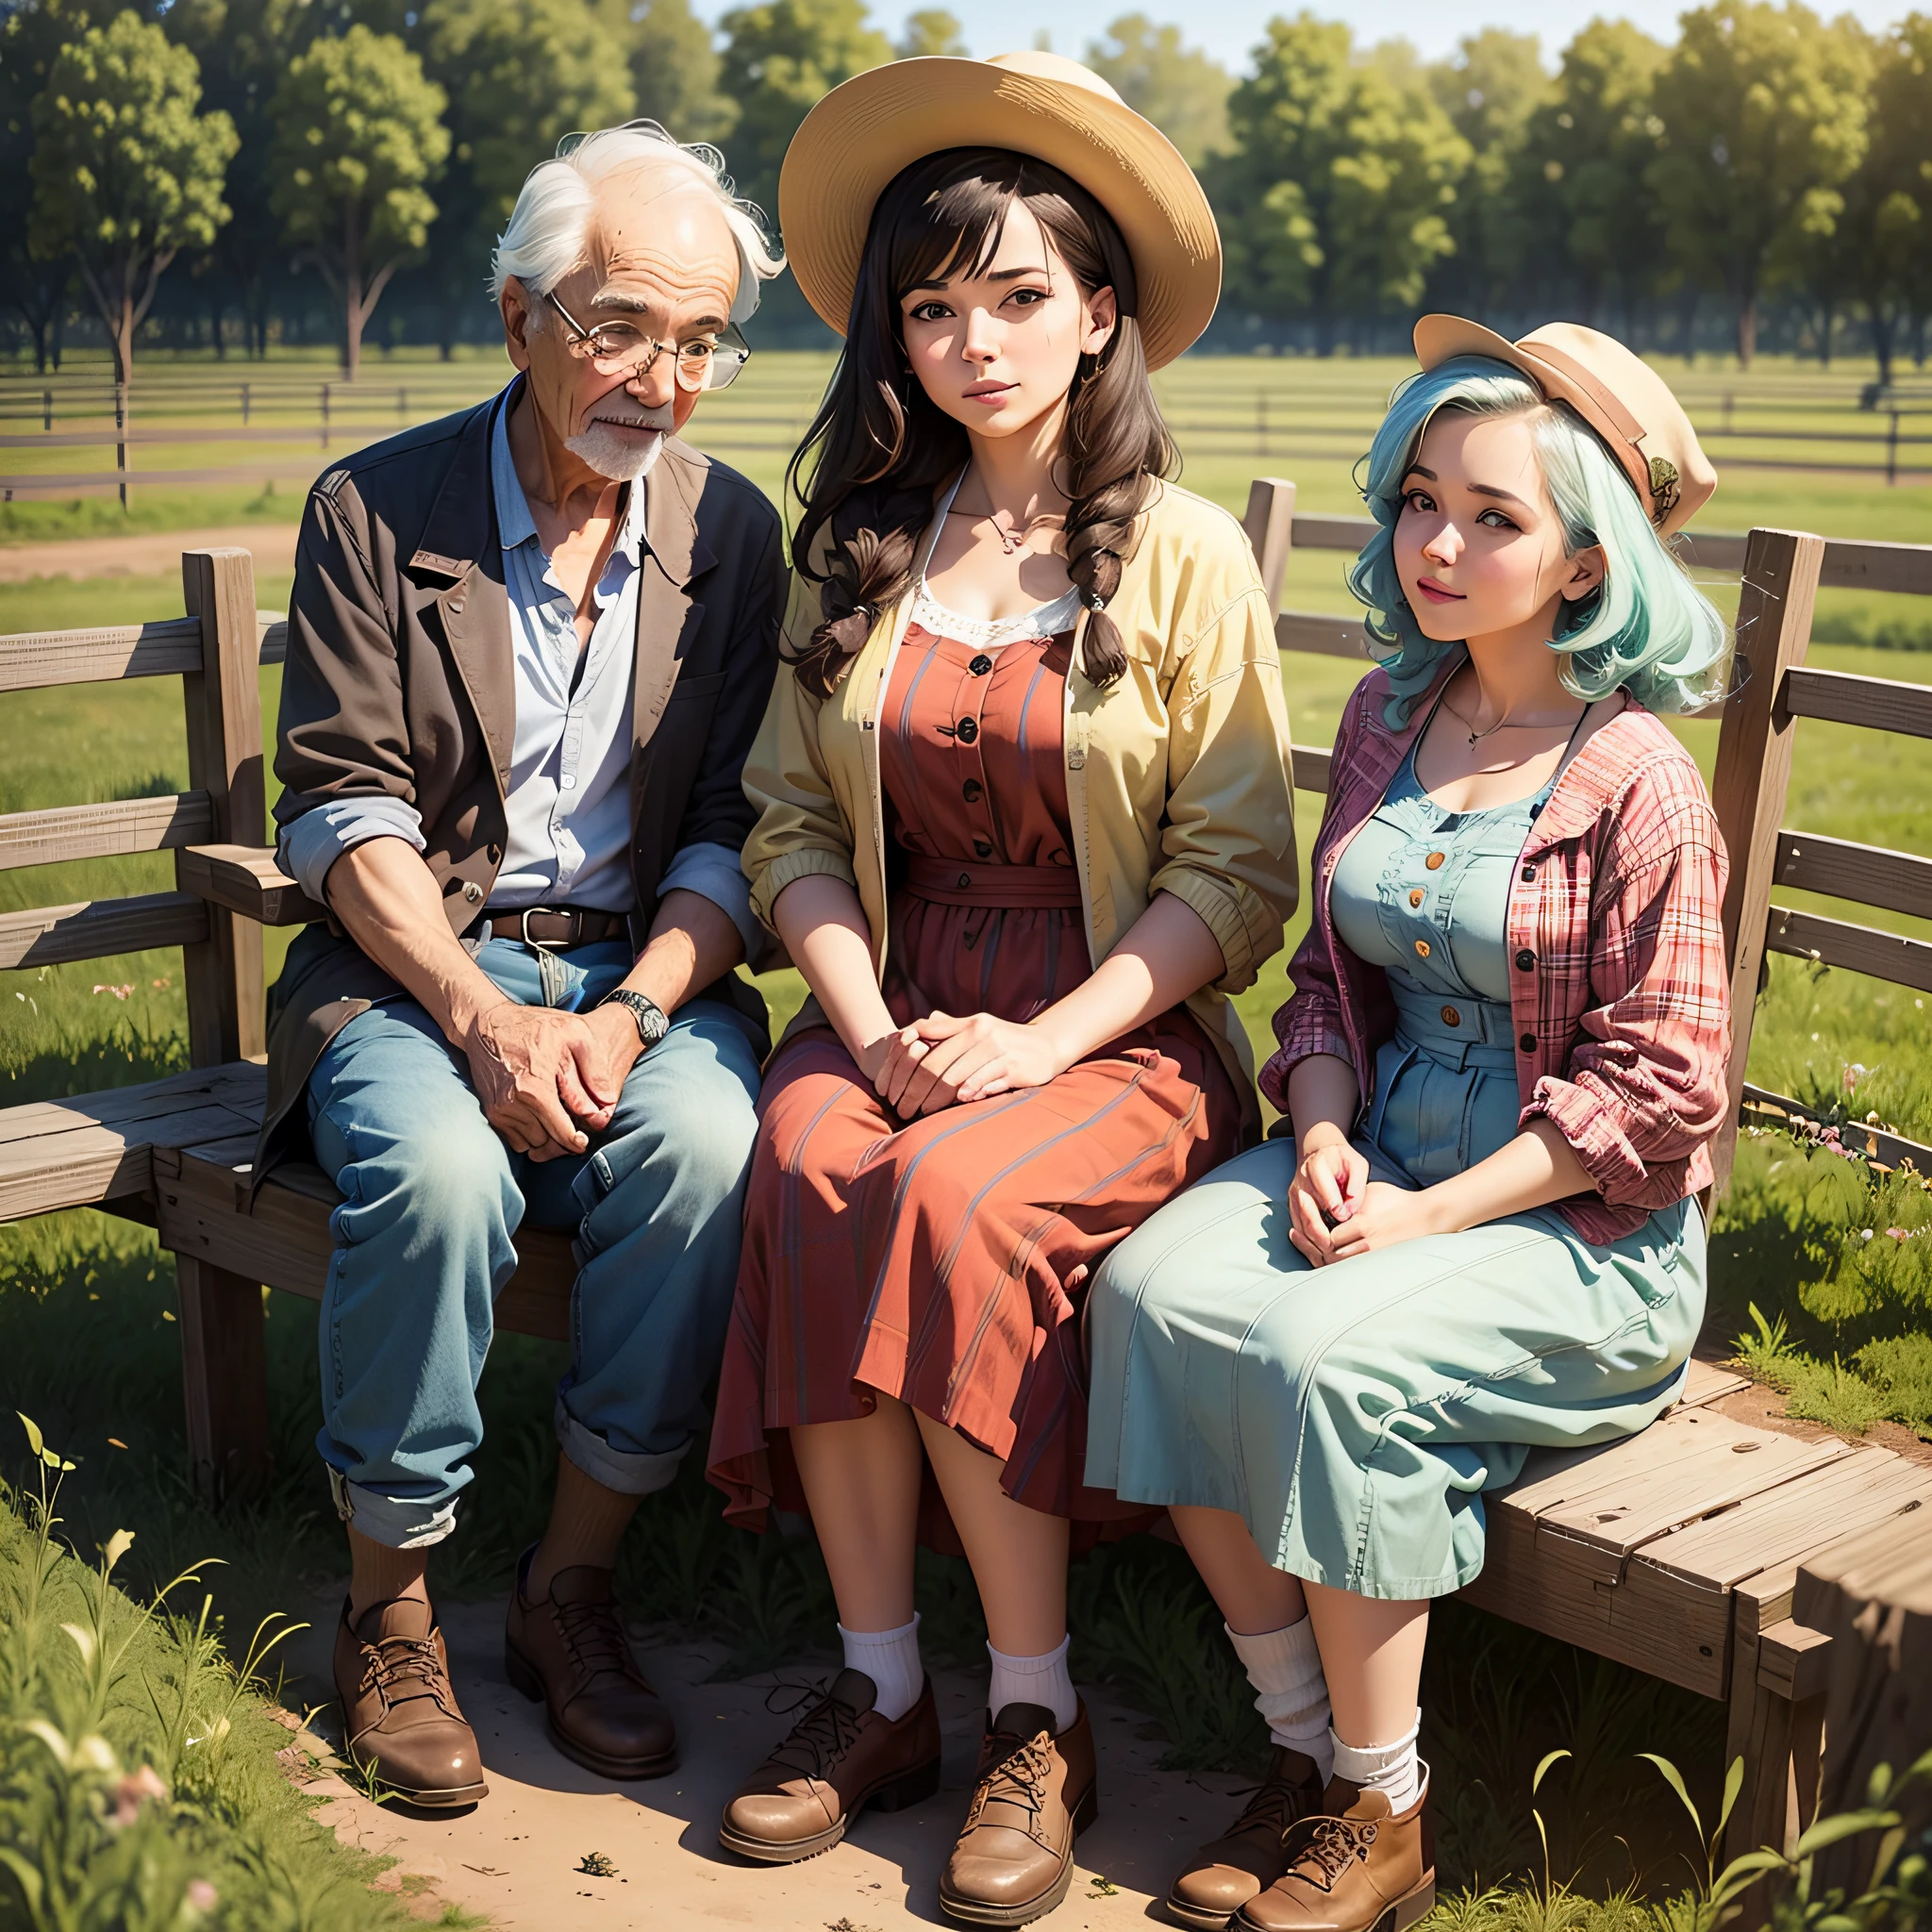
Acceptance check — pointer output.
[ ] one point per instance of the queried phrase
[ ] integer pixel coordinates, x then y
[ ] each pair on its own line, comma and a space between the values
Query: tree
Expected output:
358, 132
930, 31
1181, 90
1489, 91
1763, 111
1336, 199
674, 71
781, 59
1588, 214
126, 172
31, 38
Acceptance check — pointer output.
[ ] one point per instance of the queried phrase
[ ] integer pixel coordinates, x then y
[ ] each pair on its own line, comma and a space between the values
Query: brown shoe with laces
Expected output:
570, 1653
1357, 1868
838, 1758
1014, 1859
1224, 1875
401, 1727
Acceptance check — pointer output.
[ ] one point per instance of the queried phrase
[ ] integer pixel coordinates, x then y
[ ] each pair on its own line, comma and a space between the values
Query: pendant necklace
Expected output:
1010, 539
1477, 737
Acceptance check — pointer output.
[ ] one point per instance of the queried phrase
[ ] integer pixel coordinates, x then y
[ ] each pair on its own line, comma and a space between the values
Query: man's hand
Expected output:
529, 1066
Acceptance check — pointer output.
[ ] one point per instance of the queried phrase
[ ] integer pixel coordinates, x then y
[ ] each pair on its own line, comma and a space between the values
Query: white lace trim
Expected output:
1042, 620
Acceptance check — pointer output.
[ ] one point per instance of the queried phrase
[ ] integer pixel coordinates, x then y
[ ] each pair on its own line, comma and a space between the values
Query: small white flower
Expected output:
1864, 1234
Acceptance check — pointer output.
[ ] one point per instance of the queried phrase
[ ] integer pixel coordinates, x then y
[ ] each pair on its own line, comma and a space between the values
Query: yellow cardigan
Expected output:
1177, 775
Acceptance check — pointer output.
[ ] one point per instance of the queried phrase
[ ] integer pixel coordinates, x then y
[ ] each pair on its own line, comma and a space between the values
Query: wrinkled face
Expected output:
998, 350
1478, 544
660, 261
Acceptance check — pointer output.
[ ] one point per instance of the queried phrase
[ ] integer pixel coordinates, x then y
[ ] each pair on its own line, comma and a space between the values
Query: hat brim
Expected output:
867, 130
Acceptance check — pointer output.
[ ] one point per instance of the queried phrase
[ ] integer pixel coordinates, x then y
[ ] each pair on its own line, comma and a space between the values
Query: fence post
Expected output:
46, 409
1261, 422
223, 1361
325, 415
1269, 527
402, 405
245, 406
121, 437
1892, 451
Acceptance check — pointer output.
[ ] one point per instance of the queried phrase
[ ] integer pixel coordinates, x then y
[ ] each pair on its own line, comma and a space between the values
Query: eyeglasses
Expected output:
618, 347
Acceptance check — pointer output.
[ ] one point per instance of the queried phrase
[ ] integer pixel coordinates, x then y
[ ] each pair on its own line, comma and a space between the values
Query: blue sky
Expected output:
1227, 28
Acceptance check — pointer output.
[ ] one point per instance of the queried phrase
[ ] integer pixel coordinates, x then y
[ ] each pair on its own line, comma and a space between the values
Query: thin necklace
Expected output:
1476, 736
1010, 539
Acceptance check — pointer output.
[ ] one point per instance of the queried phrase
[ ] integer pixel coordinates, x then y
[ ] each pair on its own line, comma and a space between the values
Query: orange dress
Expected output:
942, 1260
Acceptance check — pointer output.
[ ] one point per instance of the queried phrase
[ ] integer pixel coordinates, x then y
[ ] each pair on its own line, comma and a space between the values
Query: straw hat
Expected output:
1619, 395
864, 132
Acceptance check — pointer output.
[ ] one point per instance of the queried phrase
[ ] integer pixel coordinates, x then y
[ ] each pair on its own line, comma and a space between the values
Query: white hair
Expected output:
550, 224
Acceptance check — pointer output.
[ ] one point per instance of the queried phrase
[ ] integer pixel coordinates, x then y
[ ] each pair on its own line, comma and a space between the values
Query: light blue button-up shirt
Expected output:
567, 799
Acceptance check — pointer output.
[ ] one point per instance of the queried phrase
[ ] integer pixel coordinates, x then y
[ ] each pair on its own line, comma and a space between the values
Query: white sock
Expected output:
1285, 1668
1043, 1680
1393, 1768
890, 1660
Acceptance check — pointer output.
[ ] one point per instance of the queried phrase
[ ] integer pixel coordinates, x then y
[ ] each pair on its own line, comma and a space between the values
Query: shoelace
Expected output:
1019, 1778
1334, 1844
595, 1639
394, 1661
819, 1740
1271, 1807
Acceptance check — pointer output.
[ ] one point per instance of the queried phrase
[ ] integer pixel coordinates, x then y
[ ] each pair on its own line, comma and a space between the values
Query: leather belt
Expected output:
964, 882
559, 927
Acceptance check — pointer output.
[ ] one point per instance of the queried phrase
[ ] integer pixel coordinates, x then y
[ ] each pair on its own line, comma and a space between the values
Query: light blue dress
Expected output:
1355, 1414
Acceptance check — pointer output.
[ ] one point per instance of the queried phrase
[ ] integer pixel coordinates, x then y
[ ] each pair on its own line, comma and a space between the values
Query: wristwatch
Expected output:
652, 1023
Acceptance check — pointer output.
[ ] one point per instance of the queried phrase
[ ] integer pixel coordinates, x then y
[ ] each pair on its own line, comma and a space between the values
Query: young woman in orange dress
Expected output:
1026, 823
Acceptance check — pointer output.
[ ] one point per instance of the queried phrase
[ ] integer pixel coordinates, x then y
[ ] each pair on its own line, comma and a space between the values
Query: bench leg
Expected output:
1782, 1745
225, 1371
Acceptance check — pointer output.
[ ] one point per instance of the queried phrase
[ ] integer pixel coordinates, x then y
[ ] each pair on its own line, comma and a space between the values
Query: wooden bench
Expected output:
1676, 1551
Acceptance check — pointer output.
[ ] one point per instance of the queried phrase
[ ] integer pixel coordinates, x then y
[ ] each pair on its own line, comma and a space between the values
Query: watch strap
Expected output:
653, 1023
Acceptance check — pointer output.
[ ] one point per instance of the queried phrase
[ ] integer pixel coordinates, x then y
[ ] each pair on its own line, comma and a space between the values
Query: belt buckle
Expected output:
523, 930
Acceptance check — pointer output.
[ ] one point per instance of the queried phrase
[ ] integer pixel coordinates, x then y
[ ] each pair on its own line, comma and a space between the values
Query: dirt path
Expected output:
517, 1855
146, 554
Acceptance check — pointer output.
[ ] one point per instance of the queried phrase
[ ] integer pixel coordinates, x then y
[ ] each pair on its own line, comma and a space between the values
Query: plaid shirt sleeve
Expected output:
1642, 1090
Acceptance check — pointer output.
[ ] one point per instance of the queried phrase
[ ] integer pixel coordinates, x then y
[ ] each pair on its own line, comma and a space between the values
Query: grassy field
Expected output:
86, 1303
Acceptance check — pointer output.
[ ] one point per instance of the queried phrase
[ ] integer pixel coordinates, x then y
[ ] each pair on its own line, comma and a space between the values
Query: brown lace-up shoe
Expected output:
570, 1653
401, 1726
1015, 1856
1357, 1868
838, 1758
1224, 1875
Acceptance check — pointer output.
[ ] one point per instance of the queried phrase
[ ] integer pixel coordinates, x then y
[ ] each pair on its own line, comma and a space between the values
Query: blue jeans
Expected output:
431, 1196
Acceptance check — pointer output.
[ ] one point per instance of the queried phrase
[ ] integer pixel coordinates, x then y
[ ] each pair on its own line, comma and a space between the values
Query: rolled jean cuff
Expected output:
398, 1522
626, 1471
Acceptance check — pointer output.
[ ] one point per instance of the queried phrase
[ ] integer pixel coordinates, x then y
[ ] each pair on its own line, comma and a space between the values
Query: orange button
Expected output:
1434, 861
1415, 895
1421, 949
1451, 1017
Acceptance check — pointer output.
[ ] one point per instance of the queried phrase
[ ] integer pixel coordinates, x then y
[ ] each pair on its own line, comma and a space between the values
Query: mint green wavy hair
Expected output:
1647, 629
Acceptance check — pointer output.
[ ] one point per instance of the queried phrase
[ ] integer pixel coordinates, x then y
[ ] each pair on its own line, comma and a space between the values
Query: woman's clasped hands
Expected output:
945, 1061
1336, 1211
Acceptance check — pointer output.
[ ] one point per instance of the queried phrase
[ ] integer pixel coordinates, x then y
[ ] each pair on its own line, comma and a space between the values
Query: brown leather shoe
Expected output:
571, 1653
838, 1758
1357, 1868
401, 1726
1015, 1856
1224, 1875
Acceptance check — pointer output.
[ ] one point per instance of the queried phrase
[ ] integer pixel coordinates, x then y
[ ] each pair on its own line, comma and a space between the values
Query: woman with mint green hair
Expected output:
1503, 1064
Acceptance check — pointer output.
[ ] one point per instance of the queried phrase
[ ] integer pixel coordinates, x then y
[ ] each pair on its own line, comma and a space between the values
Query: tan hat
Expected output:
865, 131
1618, 394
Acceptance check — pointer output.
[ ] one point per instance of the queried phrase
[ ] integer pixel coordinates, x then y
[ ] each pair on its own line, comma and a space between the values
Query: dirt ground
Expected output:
518, 1855
148, 554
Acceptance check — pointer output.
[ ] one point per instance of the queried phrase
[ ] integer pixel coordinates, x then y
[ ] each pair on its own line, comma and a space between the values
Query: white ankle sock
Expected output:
890, 1660
1033, 1680
1392, 1769
1285, 1668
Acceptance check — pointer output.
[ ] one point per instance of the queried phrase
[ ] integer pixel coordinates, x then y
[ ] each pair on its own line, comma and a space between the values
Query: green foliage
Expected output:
1181, 90
126, 172
927, 33
674, 71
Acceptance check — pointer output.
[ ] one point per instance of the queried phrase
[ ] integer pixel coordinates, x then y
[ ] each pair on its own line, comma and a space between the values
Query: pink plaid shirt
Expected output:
1621, 997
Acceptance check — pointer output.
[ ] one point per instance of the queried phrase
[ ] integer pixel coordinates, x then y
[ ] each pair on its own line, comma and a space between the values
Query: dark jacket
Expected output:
400, 683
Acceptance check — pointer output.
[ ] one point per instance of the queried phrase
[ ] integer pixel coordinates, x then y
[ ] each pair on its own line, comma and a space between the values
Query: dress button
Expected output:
1529, 874
969, 730
1415, 895
964, 880
984, 850
972, 791
980, 665
1421, 949
1524, 960
1434, 861
1528, 1043
1451, 1017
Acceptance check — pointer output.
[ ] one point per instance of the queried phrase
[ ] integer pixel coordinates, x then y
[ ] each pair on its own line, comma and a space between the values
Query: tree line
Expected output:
1769, 173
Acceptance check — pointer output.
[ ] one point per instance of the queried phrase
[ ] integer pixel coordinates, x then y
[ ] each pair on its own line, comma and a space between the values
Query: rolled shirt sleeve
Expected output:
713, 871
309, 845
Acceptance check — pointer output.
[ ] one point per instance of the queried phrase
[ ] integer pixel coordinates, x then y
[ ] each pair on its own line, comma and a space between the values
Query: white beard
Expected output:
611, 454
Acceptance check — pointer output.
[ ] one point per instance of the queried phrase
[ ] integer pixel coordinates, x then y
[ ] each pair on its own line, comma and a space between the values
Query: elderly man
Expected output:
529, 648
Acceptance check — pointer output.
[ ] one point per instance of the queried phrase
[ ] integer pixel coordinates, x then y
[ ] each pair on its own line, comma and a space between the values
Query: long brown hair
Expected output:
878, 448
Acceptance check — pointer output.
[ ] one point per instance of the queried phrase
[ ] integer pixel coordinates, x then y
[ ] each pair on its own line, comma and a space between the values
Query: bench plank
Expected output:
245, 879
